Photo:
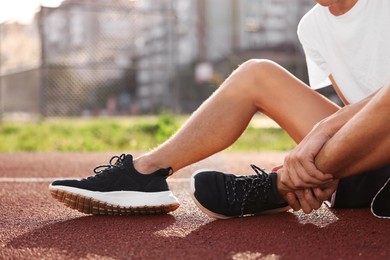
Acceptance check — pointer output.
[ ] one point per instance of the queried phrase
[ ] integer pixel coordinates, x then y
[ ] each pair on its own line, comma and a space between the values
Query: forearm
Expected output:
361, 143
301, 169
355, 139
334, 122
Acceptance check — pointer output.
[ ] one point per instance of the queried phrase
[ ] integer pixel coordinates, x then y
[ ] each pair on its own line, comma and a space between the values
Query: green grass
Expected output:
119, 134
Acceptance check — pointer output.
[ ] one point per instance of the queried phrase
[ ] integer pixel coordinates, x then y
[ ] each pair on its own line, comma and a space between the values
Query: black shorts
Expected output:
369, 189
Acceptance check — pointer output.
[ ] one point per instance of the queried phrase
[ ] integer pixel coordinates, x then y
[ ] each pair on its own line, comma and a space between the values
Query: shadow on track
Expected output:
290, 235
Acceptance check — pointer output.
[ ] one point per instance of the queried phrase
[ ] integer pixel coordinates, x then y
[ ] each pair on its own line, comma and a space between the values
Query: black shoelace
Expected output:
255, 188
103, 170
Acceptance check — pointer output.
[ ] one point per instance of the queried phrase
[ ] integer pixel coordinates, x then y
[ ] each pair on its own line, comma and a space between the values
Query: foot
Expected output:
222, 196
117, 189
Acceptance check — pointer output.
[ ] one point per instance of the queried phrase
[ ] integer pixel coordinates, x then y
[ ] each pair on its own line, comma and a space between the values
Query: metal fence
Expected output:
120, 57
91, 61
90, 57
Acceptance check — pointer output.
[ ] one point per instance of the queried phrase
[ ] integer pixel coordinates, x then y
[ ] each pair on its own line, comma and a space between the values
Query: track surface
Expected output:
35, 226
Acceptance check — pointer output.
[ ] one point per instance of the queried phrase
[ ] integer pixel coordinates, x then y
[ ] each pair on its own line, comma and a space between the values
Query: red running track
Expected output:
35, 226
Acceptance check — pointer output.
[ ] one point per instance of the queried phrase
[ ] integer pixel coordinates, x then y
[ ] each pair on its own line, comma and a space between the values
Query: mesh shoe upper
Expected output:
230, 195
120, 176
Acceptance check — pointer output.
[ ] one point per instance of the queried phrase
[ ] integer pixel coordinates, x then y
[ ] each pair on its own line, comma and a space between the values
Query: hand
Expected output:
300, 171
310, 199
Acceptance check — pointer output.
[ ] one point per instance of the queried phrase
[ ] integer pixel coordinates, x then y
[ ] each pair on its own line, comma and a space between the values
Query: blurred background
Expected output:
90, 58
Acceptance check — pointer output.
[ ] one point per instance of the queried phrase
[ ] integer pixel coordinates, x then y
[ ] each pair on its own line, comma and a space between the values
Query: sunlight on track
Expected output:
7, 179
254, 255
181, 229
320, 218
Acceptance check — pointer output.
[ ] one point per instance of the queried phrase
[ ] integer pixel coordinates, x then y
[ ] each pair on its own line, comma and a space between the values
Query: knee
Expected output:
251, 76
257, 69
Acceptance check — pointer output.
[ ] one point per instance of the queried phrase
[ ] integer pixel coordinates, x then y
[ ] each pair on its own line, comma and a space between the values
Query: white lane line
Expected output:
51, 179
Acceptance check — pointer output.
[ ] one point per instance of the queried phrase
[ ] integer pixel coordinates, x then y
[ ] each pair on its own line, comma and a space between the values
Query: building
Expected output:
121, 56
211, 36
88, 48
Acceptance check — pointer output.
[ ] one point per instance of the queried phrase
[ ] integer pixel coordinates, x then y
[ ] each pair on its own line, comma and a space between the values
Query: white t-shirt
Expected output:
353, 47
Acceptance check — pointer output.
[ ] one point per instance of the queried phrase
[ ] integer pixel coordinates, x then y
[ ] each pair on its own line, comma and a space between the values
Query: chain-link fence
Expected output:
121, 57
92, 60
19, 70
91, 55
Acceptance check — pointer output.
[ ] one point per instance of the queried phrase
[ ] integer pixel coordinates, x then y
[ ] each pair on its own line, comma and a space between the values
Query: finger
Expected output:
320, 194
317, 174
311, 175
324, 192
303, 170
313, 172
292, 201
297, 177
290, 177
311, 199
285, 179
300, 178
330, 185
303, 202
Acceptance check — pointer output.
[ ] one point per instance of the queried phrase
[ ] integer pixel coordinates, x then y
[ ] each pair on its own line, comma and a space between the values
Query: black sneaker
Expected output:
117, 189
223, 196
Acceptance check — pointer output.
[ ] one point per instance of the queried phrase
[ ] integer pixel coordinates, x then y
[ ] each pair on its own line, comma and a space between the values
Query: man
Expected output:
336, 36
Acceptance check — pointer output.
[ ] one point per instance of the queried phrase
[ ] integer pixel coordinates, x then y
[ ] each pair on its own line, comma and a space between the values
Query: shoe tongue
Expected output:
128, 160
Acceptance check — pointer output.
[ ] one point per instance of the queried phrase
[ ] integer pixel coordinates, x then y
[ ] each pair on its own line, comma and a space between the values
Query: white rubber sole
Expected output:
116, 202
219, 216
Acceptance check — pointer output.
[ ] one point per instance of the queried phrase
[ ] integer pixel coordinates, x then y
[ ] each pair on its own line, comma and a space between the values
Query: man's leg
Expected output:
257, 85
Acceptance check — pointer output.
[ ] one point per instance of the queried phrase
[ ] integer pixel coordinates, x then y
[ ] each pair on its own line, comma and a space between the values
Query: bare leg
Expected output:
257, 85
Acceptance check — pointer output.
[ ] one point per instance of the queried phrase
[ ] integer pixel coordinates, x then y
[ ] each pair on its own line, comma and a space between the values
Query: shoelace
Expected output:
255, 187
102, 170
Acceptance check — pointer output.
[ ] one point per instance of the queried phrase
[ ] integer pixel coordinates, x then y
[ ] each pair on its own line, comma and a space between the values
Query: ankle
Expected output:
144, 165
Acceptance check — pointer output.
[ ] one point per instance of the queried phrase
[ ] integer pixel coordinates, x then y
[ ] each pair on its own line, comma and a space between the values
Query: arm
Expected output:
302, 171
364, 139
